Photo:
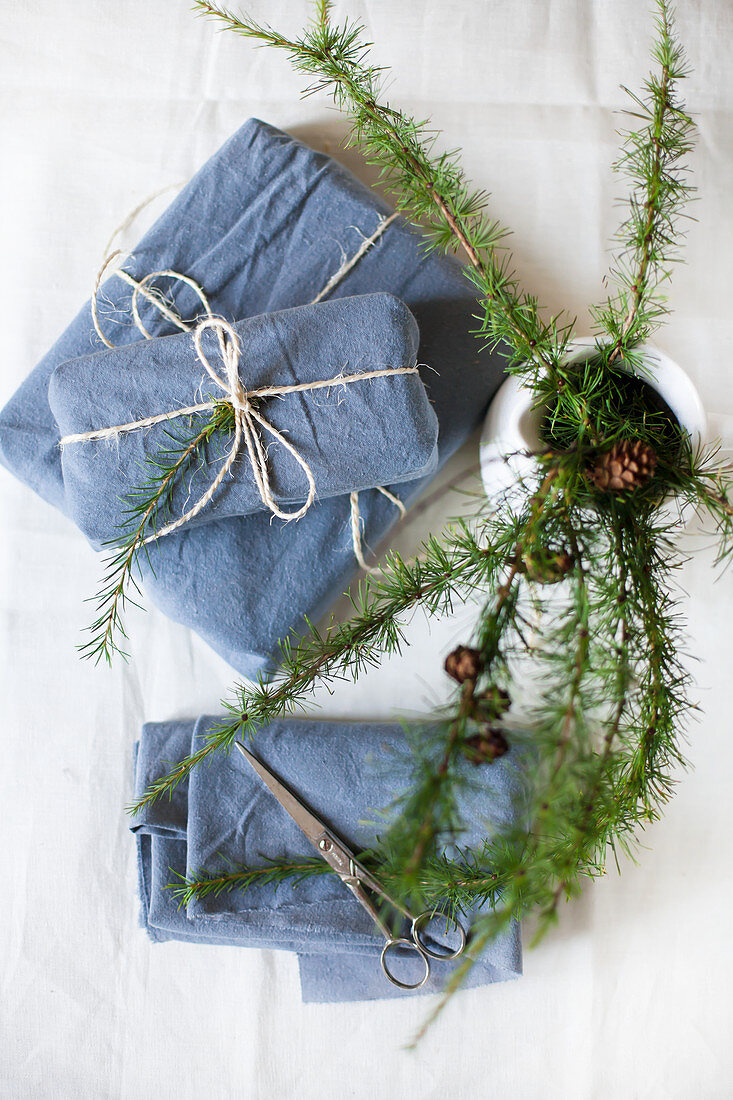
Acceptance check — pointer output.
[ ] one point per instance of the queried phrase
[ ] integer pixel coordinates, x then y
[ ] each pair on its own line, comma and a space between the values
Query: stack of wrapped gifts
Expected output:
320, 281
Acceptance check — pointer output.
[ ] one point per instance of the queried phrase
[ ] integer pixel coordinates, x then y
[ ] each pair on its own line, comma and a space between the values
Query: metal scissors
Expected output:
359, 880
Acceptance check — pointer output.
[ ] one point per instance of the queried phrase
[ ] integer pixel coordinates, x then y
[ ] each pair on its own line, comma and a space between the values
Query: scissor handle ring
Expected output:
416, 948
423, 918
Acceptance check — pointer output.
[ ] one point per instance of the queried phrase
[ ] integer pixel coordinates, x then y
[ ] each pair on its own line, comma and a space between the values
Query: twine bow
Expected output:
246, 419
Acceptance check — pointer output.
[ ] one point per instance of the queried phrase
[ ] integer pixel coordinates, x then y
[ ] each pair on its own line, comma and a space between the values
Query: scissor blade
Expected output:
312, 826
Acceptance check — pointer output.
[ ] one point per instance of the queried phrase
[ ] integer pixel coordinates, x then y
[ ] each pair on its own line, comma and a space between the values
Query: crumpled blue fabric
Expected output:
223, 817
352, 436
263, 226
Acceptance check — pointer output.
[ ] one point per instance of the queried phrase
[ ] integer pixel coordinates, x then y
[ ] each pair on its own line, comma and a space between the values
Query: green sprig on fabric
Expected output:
148, 509
204, 884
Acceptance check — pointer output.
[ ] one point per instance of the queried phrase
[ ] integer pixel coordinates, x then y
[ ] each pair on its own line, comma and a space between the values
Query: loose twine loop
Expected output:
247, 417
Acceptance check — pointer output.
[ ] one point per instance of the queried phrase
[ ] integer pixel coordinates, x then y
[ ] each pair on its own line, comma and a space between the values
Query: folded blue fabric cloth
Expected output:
223, 817
265, 225
352, 435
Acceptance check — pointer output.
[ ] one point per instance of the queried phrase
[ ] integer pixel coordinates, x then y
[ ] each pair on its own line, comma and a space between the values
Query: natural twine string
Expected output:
246, 416
347, 263
356, 524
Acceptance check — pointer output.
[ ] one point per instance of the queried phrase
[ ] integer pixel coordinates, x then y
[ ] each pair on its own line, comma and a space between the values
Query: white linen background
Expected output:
101, 105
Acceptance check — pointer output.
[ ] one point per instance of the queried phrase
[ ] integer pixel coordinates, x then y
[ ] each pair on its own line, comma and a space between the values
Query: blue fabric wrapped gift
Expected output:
352, 435
268, 224
223, 816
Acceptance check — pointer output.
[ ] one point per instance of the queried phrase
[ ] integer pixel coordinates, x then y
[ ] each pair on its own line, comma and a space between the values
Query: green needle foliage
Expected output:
579, 623
429, 186
207, 884
653, 158
148, 509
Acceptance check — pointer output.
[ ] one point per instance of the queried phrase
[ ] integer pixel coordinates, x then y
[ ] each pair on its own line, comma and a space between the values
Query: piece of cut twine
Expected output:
357, 521
247, 417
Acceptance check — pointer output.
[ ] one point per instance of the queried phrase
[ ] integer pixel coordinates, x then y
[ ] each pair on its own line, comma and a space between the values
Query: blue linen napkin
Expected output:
352, 436
223, 816
264, 225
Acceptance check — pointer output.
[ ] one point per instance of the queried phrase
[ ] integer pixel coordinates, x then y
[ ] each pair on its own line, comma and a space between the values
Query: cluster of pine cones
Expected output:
465, 664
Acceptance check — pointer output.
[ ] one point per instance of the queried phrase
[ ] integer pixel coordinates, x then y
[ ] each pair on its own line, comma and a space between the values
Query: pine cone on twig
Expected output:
486, 746
629, 464
546, 566
492, 704
463, 664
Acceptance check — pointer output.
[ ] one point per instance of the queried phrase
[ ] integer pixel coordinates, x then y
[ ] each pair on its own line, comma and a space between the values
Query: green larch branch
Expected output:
653, 158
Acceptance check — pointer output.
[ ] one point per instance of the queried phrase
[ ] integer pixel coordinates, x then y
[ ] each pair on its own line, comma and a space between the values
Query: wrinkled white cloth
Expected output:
630, 997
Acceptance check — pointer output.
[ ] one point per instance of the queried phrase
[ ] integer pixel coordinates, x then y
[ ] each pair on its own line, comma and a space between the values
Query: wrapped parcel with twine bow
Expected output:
323, 400
266, 224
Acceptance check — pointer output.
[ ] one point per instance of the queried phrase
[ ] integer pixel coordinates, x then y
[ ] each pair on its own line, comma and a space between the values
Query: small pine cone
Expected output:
463, 664
547, 568
493, 703
486, 746
629, 464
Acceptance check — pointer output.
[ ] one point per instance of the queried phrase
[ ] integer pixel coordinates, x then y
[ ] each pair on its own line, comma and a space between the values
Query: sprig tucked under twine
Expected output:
245, 419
